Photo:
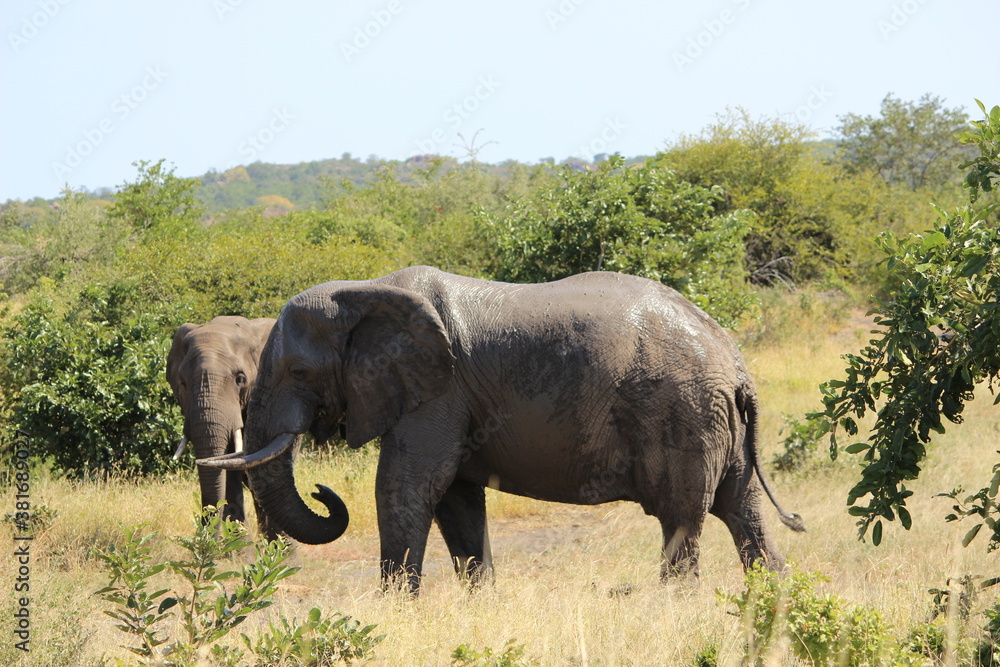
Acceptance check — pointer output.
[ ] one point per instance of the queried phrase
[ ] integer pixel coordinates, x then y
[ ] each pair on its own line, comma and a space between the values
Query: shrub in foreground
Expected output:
217, 601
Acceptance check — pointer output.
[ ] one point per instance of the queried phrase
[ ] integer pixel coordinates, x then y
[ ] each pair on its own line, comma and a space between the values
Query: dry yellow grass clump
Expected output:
575, 585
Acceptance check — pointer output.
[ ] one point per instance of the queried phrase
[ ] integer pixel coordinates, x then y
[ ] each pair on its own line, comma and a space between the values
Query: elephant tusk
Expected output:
238, 440
180, 447
241, 461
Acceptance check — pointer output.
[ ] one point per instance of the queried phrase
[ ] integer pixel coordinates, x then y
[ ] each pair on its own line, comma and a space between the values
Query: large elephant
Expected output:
595, 388
211, 369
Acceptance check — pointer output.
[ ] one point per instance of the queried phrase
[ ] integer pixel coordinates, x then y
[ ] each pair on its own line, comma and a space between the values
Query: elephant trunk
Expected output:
210, 432
273, 486
273, 482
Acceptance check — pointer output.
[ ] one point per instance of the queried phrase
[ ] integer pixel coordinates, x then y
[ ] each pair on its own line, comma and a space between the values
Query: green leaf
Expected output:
904, 517
933, 240
971, 535
857, 447
877, 533
974, 265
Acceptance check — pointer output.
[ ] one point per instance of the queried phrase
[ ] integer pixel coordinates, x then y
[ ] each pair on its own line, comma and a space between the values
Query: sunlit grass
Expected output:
576, 585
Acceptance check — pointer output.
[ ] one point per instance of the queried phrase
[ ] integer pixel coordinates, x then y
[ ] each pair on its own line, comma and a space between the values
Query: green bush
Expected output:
815, 218
241, 269
912, 377
218, 601
88, 385
819, 628
65, 241
644, 221
512, 655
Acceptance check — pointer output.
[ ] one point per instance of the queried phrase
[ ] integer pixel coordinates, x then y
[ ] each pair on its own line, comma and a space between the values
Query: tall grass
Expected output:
575, 585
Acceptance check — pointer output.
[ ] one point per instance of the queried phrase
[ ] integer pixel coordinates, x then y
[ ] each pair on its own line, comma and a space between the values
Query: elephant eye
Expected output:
299, 373
241, 378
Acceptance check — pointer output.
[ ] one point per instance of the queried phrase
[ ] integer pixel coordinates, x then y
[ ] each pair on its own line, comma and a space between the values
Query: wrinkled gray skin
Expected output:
596, 388
211, 369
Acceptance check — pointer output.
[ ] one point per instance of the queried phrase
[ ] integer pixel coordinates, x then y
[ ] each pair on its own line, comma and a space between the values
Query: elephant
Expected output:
595, 388
211, 369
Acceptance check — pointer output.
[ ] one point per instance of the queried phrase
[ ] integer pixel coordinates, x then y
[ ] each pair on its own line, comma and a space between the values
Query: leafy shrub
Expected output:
644, 221
511, 656
949, 279
814, 217
819, 629
707, 656
71, 238
316, 643
429, 218
242, 268
88, 385
218, 601
800, 443
157, 200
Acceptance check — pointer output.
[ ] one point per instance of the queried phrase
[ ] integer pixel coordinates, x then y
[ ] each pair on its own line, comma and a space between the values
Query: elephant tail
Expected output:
747, 404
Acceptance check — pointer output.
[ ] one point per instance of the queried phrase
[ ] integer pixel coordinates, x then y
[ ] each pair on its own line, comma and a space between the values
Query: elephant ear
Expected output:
260, 329
178, 350
398, 355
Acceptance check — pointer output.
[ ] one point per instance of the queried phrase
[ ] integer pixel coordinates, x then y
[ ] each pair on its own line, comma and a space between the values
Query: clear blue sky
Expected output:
89, 87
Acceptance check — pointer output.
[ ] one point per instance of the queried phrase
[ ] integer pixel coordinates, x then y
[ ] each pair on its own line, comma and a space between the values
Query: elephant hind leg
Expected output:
461, 517
739, 503
680, 548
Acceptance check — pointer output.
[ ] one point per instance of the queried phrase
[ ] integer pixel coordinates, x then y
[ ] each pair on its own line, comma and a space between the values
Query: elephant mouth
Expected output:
238, 460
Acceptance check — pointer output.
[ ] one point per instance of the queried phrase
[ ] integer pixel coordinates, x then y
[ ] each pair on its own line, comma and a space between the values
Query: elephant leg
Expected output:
739, 503
408, 486
461, 516
680, 548
234, 509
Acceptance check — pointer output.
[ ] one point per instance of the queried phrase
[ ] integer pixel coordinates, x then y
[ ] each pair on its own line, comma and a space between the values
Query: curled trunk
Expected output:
273, 485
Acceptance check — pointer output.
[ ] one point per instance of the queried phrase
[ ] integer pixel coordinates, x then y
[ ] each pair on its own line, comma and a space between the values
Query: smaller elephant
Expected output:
211, 369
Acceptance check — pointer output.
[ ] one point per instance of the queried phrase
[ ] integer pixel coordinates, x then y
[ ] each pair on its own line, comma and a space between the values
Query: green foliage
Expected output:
938, 339
241, 268
316, 643
157, 200
909, 143
427, 218
985, 167
213, 608
136, 609
217, 601
643, 221
511, 656
40, 518
66, 241
819, 629
813, 218
800, 443
88, 384
707, 656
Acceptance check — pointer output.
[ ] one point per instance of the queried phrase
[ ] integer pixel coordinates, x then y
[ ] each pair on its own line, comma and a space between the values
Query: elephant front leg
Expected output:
461, 516
405, 499
403, 526
234, 509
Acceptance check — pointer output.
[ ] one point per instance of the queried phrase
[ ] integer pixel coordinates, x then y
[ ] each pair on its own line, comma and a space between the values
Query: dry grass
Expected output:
576, 585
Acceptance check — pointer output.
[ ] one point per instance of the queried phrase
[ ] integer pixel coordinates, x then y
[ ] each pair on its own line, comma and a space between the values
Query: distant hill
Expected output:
303, 184
300, 184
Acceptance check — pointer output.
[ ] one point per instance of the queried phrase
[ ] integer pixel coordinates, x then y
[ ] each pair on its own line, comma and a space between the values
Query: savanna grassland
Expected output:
781, 238
574, 585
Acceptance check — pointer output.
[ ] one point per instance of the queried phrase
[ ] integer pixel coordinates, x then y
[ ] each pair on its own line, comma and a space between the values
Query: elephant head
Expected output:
360, 355
211, 369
